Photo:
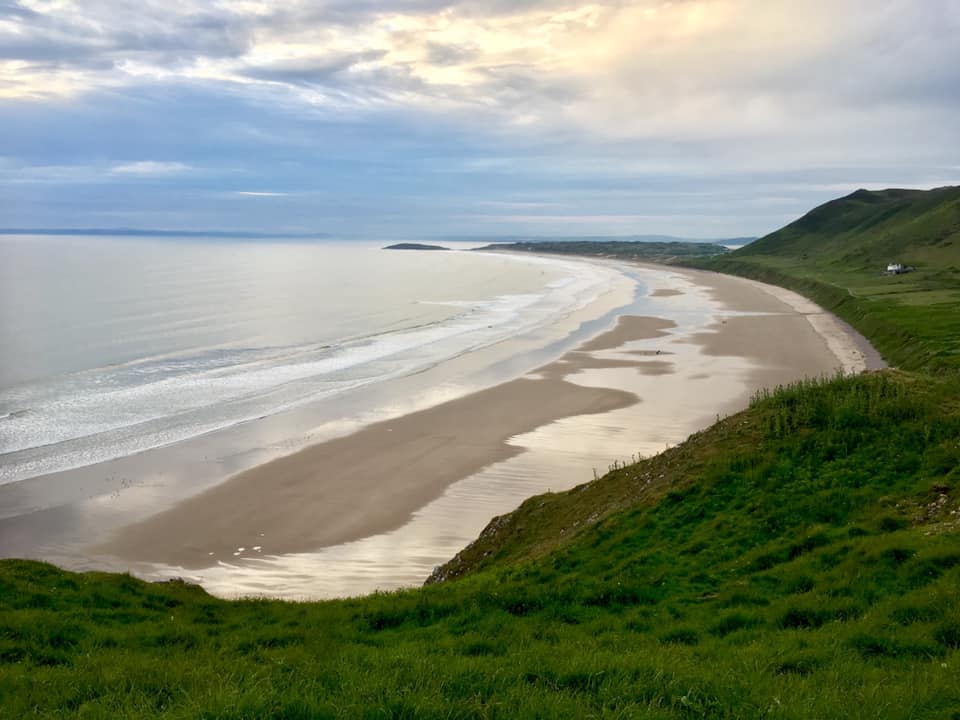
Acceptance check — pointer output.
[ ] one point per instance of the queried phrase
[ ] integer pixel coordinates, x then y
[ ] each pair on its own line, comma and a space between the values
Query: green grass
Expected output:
868, 229
836, 255
792, 561
800, 559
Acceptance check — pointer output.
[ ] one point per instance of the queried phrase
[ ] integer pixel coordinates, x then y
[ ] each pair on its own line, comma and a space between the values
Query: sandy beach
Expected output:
372, 481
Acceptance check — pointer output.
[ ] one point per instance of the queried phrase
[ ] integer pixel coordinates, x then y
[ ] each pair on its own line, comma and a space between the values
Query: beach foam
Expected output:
121, 408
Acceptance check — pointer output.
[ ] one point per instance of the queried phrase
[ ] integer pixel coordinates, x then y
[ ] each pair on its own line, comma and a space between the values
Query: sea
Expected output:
136, 372
110, 346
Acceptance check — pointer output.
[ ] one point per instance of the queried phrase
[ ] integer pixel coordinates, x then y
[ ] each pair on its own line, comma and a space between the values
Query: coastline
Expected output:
331, 496
340, 491
57, 515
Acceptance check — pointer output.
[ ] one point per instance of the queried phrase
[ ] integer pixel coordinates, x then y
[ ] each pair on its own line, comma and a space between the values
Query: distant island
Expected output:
414, 246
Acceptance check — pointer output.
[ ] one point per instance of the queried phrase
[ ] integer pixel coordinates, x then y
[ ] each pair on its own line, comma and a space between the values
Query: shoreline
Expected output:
57, 515
320, 515
313, 494
332, 493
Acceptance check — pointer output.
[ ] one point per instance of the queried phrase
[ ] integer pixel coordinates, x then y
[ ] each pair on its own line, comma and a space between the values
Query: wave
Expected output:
124, 408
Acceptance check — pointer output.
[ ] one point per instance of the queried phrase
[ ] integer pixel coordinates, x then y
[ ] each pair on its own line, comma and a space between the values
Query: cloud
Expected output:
645, 68
620, 115
314, 70
150, 168
442, 54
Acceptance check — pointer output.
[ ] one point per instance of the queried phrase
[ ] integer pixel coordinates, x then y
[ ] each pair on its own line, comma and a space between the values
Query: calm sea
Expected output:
112, 346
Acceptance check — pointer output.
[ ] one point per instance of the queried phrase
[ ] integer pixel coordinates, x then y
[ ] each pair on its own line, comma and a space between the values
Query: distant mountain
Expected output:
595, 238
868, 229
648, 250
139, 232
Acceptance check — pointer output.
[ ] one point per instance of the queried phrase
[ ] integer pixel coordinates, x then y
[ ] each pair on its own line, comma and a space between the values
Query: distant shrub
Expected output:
680, 636
869, 646
733, 622
798, 666
930, 568
897, 556
169, 640
804, 619
801, 584
808, 544
911, 614
889, 524
744, 598
767, 561
482, 647
948, 635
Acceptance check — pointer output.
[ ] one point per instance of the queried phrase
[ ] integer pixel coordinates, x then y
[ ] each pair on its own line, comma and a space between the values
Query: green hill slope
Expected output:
837, 255
866, 230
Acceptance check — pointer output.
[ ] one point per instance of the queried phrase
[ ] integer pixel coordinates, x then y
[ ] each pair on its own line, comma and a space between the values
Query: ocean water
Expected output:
114, 346
135, 373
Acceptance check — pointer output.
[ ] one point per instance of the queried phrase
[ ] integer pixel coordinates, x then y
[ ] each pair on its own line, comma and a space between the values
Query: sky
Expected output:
425, 118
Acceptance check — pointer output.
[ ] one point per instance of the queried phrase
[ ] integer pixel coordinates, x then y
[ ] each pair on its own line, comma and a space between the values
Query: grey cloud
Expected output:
49, 50
311, 71
104, 35
353, 12
11, 8
108, 32
897, 55
518, 82
195, 35
442, 54
838, 123
385, 82
345, 12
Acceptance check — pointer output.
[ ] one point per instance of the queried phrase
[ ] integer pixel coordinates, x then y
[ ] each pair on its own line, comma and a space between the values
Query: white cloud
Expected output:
614, 70
601, 108
150, 167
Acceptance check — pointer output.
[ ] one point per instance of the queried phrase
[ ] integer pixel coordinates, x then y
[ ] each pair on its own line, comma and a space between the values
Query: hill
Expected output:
500, 239
867, 230
649, 251
800, 559
837, 254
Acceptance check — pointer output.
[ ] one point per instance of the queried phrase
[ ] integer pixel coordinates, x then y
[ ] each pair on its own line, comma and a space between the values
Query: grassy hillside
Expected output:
867, 229
837, 254
800, 559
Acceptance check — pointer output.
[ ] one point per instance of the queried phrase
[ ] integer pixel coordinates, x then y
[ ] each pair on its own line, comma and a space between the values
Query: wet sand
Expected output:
373, 481
852, 350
